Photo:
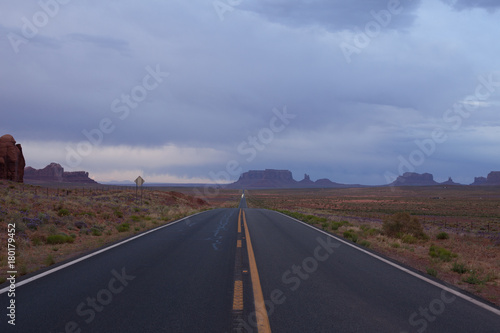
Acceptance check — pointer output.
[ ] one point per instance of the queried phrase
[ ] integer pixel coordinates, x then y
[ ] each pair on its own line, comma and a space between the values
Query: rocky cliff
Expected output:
55, 173
270, 178
492, 179
12, 161
414, 179
306, 182
450, 182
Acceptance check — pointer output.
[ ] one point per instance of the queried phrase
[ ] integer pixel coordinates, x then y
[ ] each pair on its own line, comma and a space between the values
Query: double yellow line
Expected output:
260, 306
238, 281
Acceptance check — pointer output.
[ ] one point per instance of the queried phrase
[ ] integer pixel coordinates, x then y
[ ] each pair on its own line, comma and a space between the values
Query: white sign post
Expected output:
138, 183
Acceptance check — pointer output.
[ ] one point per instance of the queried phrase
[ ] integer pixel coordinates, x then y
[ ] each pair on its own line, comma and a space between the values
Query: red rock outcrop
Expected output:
77, 177
12, 161
51, 173
55, 173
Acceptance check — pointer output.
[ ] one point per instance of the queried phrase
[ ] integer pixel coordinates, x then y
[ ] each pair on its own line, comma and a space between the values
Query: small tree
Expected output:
401, 224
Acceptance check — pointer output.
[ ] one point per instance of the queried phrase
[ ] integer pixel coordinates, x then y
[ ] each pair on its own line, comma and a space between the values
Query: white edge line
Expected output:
53, 270
421, 277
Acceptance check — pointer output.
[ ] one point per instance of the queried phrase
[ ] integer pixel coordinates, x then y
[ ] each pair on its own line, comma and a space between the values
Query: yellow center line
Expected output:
260, 306
239, 222
238, 296
238, 283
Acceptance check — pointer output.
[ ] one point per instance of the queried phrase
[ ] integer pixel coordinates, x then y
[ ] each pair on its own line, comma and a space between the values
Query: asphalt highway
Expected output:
328, 285
182, 278
176, 279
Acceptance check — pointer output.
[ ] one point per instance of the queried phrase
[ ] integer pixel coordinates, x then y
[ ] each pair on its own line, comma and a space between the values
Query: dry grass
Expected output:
54, 224
470, 216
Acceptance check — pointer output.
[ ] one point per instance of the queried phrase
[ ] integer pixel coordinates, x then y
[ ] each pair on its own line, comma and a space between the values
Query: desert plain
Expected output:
460, 244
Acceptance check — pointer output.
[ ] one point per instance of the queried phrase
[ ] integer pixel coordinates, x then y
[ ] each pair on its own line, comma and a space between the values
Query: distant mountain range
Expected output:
253, 179
271, 178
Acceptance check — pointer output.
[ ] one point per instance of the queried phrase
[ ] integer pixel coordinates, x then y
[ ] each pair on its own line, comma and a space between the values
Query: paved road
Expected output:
181, 279
326, 285
177, 279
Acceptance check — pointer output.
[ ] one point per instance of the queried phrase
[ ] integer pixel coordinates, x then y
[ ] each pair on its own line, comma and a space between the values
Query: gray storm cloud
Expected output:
76, 75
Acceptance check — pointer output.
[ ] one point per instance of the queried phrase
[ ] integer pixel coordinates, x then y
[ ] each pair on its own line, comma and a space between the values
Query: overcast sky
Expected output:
201, 90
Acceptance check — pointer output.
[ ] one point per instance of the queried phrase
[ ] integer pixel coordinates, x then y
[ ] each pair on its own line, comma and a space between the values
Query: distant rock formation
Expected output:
492, 179
450, 182
78, 177
51, 173
55, 173
479, 181
12, 161
306, 182
270, 178
326, 183
414, 179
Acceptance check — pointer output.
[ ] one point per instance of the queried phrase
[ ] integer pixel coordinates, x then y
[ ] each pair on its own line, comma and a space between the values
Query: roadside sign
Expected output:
139, 181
